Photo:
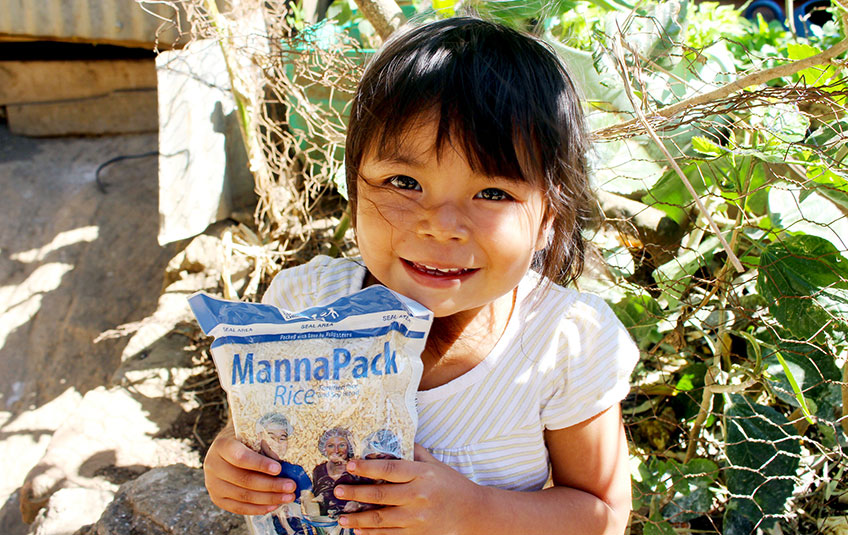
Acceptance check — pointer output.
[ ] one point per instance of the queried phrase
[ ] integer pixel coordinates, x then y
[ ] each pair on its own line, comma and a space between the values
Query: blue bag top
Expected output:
212, 311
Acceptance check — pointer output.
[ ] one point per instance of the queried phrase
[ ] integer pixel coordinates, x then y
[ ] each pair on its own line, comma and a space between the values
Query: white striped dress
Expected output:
563, 358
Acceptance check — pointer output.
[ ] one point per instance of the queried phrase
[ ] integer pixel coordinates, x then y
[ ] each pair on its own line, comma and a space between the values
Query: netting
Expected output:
721, 236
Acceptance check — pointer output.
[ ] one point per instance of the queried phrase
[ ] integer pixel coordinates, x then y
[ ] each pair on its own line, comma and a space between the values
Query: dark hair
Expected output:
502, 97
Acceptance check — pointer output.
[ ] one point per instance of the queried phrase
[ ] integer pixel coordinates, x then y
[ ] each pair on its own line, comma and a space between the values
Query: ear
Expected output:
544, 237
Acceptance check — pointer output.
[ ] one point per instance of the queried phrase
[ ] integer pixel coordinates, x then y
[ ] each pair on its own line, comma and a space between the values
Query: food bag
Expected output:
316, 388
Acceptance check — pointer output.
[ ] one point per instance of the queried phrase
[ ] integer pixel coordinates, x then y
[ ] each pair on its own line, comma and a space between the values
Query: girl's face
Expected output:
336, 449
431, 228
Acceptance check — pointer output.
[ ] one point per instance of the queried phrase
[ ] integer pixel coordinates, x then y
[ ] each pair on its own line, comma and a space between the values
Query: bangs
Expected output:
480, 87
486, 154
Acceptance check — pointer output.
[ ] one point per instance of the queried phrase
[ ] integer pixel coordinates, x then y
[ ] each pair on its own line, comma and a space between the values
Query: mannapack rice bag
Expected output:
315, 388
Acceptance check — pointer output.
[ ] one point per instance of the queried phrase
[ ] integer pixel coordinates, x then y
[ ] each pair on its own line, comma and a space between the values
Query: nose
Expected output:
443, 222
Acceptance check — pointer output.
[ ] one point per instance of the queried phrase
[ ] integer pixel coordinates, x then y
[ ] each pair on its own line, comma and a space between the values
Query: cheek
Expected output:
383, 207
521, 225
379, 227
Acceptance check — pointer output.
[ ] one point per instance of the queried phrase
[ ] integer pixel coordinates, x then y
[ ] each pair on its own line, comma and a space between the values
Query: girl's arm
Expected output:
591, 492
241, 481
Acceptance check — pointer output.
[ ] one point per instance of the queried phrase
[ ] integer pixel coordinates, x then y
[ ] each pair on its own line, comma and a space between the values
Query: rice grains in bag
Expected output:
315, 388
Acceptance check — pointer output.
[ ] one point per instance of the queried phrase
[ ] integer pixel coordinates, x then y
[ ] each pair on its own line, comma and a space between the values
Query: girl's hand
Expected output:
418, 496
241, 481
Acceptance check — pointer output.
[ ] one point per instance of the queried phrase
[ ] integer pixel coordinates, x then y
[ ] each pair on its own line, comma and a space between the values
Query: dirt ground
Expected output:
76, 260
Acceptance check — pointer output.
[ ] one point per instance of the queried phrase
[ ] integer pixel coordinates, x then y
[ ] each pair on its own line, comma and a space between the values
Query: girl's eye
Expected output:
404, 182
494, 194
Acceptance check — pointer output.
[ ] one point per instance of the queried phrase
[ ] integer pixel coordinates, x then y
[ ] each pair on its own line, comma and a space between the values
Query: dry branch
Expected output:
384, 15
727, 90
641, 117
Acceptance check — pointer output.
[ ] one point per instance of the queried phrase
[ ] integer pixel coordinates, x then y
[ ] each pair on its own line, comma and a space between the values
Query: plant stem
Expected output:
845, 397
703, 412
339, 234
790, 16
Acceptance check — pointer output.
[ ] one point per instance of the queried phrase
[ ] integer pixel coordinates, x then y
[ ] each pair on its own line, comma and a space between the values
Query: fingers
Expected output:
241, 508
237, 454
381, 494
247, 479
248, 499
393, 471
422, 454
237, 479
378, 519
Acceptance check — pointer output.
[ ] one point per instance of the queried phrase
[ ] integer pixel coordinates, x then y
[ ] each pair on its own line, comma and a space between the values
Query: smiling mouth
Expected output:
434, 271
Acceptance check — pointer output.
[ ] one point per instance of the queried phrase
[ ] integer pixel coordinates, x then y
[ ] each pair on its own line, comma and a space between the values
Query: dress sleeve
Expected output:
318, 282
289, 289
595, 359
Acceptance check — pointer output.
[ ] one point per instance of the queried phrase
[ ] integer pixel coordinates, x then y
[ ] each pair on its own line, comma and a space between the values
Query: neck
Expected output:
459, 342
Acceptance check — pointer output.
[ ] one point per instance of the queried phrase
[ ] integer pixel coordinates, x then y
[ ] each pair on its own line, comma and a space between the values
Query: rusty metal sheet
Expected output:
121, 22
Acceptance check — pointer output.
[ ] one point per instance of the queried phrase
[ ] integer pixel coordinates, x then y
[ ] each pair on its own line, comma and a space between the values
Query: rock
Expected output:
203, 168
69, 509
120, 431
110, 439
166, 501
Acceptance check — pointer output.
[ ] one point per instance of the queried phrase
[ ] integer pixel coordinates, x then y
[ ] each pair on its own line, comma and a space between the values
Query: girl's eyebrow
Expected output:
400, 158
404, 154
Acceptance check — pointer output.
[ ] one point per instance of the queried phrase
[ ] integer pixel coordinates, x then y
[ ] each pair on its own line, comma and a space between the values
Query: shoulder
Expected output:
582, 329
319, 281
591, 353
553, 304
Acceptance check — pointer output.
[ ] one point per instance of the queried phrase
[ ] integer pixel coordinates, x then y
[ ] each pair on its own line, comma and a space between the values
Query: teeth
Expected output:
440, 270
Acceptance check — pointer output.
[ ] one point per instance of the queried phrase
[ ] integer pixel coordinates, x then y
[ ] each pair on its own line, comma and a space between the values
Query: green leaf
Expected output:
707, 146
640, 314
693, 495
514, 13
625, 167
832, 184
816, 75
814, 371
762, 450
620, 261
657, 525
781, 123
802, 209
805, 279
671, 196
692, 377
689, 390
799, 395
673, 276
445, 7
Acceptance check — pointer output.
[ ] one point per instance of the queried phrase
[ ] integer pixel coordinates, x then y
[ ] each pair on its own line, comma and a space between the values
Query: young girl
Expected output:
466, 167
